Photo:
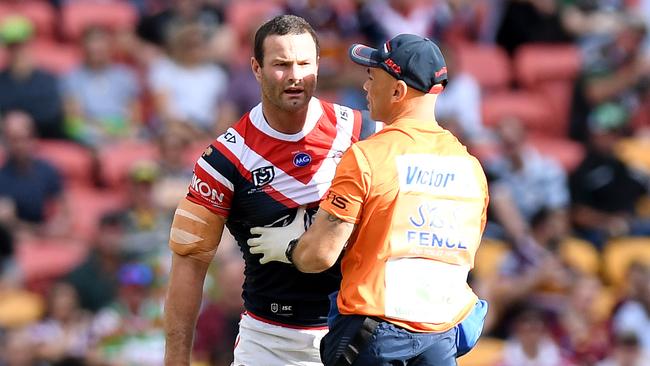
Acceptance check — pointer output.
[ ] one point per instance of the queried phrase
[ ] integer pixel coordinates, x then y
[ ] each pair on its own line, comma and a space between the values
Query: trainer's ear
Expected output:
399, 91
437, 89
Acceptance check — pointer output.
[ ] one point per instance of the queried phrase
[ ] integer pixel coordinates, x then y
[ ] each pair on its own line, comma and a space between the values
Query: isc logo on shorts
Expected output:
205, 190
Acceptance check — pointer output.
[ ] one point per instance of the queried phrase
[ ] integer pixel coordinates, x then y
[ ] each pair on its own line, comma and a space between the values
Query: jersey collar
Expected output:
314, 113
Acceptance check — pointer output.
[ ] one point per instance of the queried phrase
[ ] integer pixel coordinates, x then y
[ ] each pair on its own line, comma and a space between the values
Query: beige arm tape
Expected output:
195, 232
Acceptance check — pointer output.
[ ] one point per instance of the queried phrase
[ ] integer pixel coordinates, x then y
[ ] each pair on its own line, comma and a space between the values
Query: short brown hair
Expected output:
282, 25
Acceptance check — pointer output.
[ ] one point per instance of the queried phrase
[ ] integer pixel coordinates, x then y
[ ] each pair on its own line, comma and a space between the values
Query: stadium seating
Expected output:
605, 303
635, 152
194, 151
51, 56
42, 259
40, 13
489, 65
19, 308
488, 352
74, 161
620, 253
550, 70
531, 108
88, 205
567, 153
489, 257
3, 58
79, 15
55, 57
581, 255
538, 63
116, 160
244, 15
559, 96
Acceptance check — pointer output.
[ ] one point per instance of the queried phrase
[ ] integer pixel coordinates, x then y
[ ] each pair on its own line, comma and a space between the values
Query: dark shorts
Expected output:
389, 345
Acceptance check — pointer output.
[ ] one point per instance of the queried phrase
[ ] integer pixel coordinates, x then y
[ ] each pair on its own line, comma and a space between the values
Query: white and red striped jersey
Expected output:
254, 176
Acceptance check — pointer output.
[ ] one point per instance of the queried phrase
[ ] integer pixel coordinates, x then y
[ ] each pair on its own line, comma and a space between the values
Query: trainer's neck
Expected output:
418, 107
287, 122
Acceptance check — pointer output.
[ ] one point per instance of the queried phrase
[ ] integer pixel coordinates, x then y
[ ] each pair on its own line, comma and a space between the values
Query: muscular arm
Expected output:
182, 307
322, 244
194, 238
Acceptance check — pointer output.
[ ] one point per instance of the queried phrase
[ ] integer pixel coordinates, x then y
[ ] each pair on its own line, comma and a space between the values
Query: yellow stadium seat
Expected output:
605, 302
489, 257
580, 255
643, 206
635, 152
620, 253
19, 308
488, 352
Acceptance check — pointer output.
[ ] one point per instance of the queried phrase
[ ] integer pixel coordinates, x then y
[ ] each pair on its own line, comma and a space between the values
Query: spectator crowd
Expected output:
106, 104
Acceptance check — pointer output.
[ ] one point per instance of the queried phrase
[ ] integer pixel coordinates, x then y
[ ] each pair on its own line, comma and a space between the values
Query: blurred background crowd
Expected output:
105, 105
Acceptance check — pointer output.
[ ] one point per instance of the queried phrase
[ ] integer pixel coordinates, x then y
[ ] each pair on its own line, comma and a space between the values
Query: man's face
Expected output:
380, 87
288, 75
19, 136
512, 136
98, 49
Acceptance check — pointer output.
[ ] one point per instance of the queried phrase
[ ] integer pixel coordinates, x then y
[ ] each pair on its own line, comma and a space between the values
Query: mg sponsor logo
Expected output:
205, 190
301, 159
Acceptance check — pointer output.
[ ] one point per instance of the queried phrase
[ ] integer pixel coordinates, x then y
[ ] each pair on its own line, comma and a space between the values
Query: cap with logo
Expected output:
415, 60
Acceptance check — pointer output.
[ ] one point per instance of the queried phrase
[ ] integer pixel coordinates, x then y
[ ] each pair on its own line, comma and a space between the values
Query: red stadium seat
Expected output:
550, 70
88, 205
55, 57
537, 63
567, 153
116, 160
489, 65
3, 58
194, 151
244, 15
47, 258
559, 95
40, 13
77, 16
74, 161
531, 108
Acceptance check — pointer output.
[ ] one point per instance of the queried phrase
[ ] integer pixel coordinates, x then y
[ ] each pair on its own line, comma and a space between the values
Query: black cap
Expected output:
414, 59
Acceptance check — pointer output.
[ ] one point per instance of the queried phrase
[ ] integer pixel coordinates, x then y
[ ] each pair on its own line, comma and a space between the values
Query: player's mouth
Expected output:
294, 91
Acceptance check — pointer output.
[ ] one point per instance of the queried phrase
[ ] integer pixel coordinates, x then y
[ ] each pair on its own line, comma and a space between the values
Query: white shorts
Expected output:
262, 343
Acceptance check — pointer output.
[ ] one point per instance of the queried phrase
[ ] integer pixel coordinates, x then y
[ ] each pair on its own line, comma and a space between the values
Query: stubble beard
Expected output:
275, 97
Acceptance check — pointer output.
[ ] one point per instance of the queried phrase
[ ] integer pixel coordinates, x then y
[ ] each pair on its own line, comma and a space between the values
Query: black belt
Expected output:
358, 342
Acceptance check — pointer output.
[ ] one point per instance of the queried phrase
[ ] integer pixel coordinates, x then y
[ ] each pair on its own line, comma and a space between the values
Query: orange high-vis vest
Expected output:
419, 201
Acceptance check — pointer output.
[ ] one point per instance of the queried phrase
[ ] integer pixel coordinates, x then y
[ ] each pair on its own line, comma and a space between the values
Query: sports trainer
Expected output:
410, 202
279, 156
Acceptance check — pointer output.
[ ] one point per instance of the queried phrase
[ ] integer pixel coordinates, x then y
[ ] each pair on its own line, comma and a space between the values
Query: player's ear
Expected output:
399, 91
257, 69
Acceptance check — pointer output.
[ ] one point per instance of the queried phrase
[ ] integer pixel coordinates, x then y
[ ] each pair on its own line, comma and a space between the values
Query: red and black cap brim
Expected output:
364, 55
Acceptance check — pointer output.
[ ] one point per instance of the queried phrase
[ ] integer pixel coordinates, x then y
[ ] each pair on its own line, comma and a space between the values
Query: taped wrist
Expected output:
193, 231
